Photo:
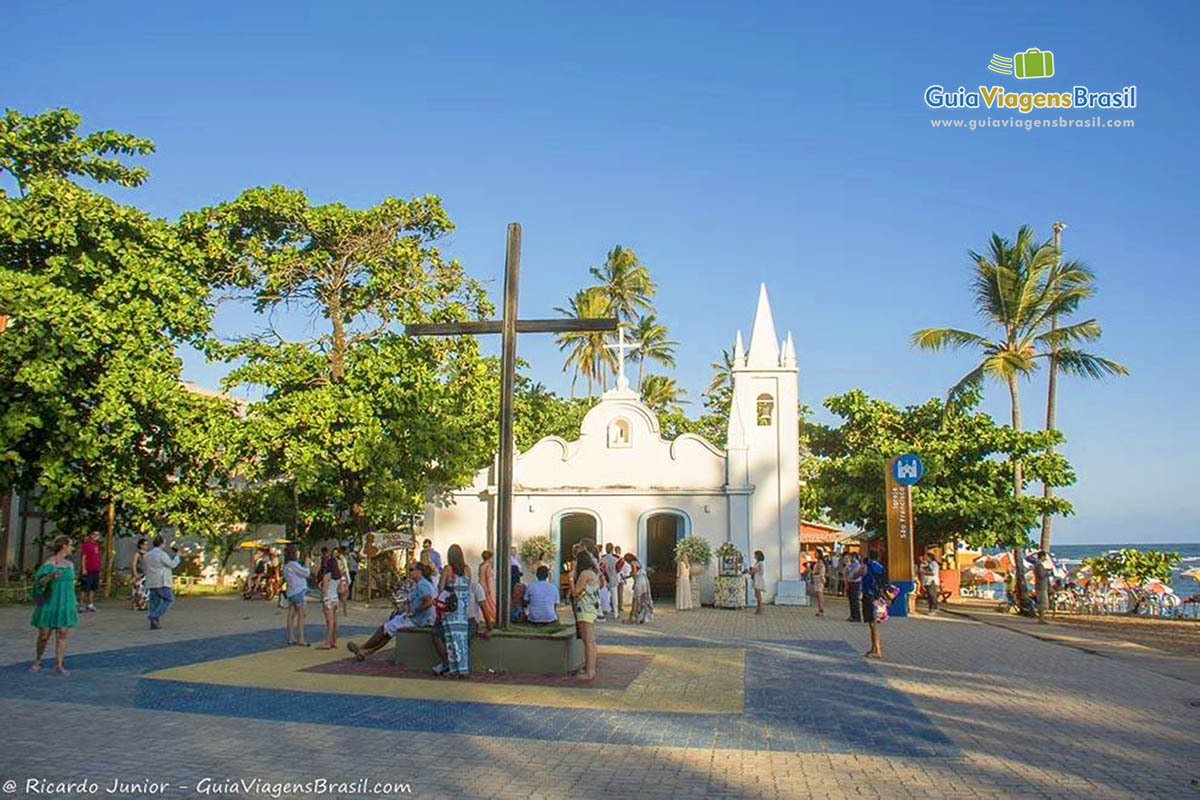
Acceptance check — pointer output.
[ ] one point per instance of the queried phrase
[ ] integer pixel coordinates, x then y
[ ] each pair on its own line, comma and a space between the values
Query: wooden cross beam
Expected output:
508, 328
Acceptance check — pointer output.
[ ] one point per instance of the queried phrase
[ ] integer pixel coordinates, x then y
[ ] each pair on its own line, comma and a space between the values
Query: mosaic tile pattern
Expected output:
800, 696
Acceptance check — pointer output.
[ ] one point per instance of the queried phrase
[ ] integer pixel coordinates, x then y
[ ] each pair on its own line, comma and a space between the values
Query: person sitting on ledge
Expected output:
541, 599
418, 614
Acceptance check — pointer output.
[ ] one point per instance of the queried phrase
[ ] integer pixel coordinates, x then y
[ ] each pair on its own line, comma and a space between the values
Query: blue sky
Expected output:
728, 144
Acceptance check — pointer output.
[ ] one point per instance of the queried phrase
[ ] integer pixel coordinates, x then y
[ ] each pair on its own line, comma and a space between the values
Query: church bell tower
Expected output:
764, 451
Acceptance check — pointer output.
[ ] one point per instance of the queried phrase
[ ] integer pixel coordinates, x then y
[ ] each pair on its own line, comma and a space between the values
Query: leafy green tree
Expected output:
966, 492
653, 344
360, 419
586, 351
98, 296
48, 145
1017, 288
1134, 566
539, 412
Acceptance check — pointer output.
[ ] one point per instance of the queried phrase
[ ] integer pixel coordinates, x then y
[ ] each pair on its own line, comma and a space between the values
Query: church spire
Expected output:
788, 359
739, 353
764, 347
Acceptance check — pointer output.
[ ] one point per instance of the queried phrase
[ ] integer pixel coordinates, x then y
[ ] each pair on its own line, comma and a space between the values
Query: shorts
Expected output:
299, 599
330, 595
90, 582
472, 629
398, 623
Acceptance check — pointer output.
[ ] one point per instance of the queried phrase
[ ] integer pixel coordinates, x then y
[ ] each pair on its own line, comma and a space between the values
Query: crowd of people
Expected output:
455, 602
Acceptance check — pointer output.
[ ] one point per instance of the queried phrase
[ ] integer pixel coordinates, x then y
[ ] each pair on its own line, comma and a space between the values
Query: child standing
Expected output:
760, 580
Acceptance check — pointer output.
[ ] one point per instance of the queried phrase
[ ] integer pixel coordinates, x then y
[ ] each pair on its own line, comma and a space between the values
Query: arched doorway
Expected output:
663, 529
571, 528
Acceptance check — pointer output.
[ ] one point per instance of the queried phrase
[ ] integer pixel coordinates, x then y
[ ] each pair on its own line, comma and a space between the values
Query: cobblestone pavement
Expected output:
959, 709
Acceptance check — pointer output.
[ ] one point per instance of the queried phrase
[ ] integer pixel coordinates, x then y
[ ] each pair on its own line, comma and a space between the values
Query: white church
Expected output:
621, 482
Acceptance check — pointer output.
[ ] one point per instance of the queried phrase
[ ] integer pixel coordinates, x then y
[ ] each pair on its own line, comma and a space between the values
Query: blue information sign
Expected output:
908, 469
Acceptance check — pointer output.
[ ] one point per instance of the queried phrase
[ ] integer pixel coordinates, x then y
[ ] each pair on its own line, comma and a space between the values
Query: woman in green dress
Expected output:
54, 603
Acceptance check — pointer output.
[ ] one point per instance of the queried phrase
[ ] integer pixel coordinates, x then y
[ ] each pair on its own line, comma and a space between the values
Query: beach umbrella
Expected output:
1193, 573
1000, 561
1156, 587
982, 575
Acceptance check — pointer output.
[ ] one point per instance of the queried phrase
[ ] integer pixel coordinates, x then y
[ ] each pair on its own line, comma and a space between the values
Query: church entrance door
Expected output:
662, 531
572, 529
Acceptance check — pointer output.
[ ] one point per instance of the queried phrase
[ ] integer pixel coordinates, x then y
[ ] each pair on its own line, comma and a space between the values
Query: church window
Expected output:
619, 433
766, 409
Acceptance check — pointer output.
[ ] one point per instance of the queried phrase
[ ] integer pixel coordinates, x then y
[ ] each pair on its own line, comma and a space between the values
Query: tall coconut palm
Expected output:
719, 394
653, 344
1083, 280
586, 354
662, 393
626, 283
1018, 287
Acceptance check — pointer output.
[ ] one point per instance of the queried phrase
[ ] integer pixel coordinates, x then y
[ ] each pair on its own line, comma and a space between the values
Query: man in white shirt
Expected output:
160, 580
608, 563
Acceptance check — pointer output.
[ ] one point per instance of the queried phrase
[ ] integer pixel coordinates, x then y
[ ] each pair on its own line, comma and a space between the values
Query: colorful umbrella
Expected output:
1000, 561
1193, 573
982, 575
1156, 587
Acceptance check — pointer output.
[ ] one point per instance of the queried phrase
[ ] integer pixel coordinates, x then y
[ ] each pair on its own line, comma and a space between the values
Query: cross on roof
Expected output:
508, 328
621, 346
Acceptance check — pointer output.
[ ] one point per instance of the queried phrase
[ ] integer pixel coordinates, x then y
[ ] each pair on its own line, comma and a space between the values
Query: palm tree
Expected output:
587, 354
653, 343
1019, 288
719, 393
626, 283
1084, 281
662, 393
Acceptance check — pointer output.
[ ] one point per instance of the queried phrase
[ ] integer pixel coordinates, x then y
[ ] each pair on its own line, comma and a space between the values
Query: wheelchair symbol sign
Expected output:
908, 469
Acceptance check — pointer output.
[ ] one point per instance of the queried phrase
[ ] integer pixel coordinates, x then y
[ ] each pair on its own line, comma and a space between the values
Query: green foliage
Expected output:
536, 549
586, 351
1134, 566
653, 344
1019, 287
967, 489
662, 394
539, 412
359, 420
99, 295
625, 284
695, 549
47, 146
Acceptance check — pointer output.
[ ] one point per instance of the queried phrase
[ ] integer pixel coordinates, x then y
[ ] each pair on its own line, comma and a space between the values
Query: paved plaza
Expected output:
711, 703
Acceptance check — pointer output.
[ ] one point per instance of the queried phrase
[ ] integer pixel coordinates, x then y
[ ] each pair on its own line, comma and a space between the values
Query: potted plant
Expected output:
698, 553
535, 551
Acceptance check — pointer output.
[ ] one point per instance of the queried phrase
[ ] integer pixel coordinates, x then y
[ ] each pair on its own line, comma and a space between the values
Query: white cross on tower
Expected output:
621, 346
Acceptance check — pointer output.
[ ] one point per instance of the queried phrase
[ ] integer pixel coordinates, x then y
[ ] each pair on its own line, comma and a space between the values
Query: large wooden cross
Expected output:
508, 328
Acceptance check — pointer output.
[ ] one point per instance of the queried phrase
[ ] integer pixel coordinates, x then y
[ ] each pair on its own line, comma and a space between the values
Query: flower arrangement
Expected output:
536, 549
695, 550
727, 549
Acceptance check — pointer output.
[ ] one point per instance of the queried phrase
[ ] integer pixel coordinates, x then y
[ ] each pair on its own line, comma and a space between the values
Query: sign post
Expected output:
900, 475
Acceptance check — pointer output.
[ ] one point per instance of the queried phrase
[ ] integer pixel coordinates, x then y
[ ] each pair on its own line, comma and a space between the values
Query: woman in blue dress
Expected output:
54, 606
454, 625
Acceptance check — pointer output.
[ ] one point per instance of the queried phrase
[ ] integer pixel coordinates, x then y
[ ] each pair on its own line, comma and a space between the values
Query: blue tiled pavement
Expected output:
802, 696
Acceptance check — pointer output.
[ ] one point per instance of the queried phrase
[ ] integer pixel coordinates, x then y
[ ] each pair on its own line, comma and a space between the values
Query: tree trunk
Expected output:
1018, 490
337, 353
108, 550
641, 365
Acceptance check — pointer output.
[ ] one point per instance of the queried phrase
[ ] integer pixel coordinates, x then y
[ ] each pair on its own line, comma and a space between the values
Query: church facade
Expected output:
621, 482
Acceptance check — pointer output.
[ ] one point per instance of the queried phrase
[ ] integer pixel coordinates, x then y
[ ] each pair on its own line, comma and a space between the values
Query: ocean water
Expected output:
1072, 554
